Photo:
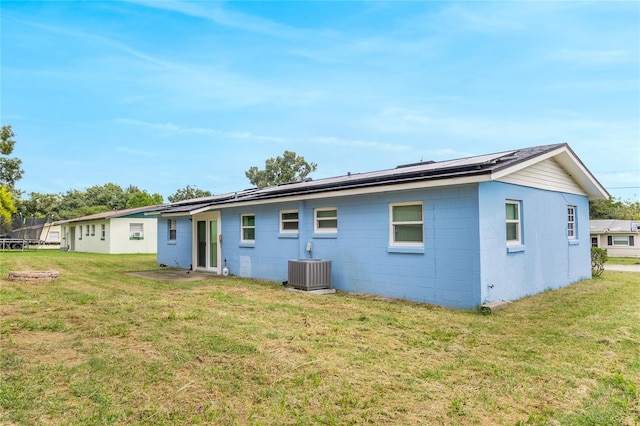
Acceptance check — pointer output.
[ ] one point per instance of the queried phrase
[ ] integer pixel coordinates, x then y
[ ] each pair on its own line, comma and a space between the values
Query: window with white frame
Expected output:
289, 221
136, 231
54, 236
407, 224
620, 240
326, 220
571, 222
172, 229
93, 229
514, 224
80, 228
248, 227
103, 231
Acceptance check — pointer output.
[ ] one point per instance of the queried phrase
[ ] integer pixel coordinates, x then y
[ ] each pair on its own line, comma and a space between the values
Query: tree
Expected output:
109, 195
40, 205
188, 193
7, 208
10, 170
288, 168
142, 199
614, 208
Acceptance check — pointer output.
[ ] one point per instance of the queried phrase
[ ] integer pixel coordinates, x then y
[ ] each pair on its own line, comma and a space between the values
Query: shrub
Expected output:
598, 258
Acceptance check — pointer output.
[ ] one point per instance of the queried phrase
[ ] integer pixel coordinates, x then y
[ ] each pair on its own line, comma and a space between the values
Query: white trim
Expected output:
282, 221
346, 193
572, 222
242, 227
318, 230
570, 163
518, 221
392, 242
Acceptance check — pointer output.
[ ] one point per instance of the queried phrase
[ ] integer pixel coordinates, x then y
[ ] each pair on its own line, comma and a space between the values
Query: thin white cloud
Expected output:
213, 11
173, 128
360, 144
592, 56
90, 38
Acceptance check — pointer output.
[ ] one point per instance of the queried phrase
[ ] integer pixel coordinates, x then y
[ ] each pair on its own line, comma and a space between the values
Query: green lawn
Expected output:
98, 346
623, 260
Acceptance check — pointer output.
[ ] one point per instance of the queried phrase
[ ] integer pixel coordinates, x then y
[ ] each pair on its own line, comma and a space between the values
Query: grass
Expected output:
623, 260
98, 346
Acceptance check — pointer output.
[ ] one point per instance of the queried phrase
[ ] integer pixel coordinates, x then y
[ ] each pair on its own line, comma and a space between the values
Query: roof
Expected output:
430, 173
613, 226
109, 215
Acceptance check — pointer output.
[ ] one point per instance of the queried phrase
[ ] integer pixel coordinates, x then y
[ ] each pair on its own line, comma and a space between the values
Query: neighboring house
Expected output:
119, 231
50, 235
457, 233
621, 238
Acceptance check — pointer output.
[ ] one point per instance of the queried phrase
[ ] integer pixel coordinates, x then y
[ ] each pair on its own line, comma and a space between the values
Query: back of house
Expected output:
456, 233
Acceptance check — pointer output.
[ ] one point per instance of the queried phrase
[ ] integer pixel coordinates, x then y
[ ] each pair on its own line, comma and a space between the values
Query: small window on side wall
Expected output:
513, 222
407, 224
326, 220
289, 221
571, 222
248, 227
172, 229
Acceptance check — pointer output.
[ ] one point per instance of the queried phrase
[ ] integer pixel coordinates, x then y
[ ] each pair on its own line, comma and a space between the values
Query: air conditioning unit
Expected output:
137, 234
309, 274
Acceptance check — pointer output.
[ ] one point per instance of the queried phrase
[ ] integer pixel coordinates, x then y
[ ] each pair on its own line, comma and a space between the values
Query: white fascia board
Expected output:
186, 213
352, 192
565, 157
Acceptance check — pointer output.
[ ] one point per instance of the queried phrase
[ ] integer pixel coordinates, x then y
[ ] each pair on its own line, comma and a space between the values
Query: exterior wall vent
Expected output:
310, 274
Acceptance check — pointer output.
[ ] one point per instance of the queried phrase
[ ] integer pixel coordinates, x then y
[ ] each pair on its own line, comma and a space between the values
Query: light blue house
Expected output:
457, 233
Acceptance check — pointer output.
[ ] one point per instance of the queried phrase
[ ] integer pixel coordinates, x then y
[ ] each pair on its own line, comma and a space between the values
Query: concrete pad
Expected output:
174, 275
319, 292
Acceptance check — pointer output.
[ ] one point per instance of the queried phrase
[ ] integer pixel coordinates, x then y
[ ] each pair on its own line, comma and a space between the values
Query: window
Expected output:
620, 240
594, 241
289, 221
87, 228
80, 237
514, 230
93, 230
54, 236
326, 220
406, 224
571, 222
248, 227
136, 231
172, 229
103, 231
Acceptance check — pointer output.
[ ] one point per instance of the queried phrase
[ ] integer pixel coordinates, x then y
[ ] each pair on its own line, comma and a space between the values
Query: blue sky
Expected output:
162, 95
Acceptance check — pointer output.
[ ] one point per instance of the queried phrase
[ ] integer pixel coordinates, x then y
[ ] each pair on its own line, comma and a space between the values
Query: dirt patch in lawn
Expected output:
174, 275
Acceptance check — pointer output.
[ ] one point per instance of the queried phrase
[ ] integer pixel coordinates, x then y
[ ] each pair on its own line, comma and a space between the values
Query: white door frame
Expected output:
208, 218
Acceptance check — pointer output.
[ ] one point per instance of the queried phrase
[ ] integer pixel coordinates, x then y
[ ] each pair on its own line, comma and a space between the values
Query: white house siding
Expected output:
116, 240
90, 242
547, 174
121, 242
547, 258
